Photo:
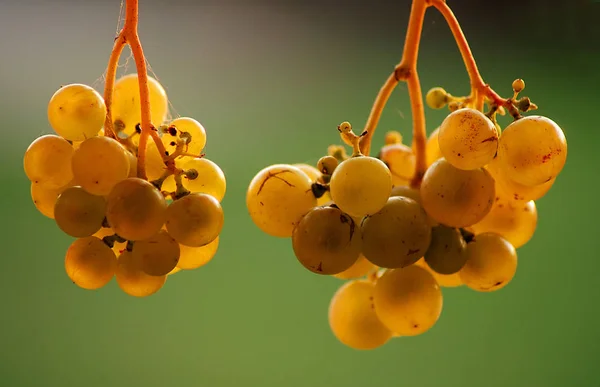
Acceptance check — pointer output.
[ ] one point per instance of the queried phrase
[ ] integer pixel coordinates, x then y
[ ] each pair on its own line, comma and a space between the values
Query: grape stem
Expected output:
129, 36
406, 71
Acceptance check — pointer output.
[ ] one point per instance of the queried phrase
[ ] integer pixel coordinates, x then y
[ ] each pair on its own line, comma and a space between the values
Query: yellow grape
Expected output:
327, 164
532, 151
408, 301
133, 280
45, 198
190, 127
210, 178
468, 139
326, 241
513, 190
436, 98
433, 148
158, 254
360, 268
446, 253
132, 164
315, 176
491, 263
47, 161
396, 236
195, 257
126, 105
135, 209
455, 197
99, 163
195, 220
155, 166
118, 247
278, 197
361, 185
411, 193
352, 317
76, 112
445, 281
400, 159
90, 263
78, 213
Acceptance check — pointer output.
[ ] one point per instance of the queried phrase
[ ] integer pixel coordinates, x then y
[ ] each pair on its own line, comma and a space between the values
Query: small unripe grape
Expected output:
436, 98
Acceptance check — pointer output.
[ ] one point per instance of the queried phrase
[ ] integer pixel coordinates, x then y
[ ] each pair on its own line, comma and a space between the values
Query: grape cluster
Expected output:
399, 240
136, 230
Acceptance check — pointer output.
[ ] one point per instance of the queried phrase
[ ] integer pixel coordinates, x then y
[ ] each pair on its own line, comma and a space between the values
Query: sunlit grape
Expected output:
433, 148
400, 159
444, 280
436, 98
360, 268
132, 164
90, 263
195, 257
44, 198
158, 254
188, 130
327, 165
204, 176
406, 191
118, 247
513, 190
446, 253
79, 213
155, 166
315, 176
47, 161
132, 279
194, 220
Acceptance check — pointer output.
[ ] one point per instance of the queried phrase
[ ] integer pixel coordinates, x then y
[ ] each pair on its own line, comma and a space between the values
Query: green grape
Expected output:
195, 220
90, 263
514, 221
433, 148
446, 253
532, 151
47, 161
468, 139
408, 301
401, 161
444, 280
456, 197
126, 106
514, 191
326, 241
188, 130
361, 185
76, 112
99, 163
278, 197
45, 198
158, 254
195, 257
132, 279
315, 176
79, 213
396, 236
135, 209
436, 98
352, 317
491, 263
360, 268
204, 176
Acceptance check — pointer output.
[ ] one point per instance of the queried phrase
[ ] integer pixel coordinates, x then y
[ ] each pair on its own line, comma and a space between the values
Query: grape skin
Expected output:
194, 257
79, 213
513, 190
194, 220
133, 280
90, 263
446, 253
433, 148
158, 254
401, 161
210, 180
47, 161
193, 128
445, 281
360, 268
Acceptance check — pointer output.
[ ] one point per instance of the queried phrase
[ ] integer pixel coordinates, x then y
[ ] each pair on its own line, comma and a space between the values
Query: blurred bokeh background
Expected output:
270, 81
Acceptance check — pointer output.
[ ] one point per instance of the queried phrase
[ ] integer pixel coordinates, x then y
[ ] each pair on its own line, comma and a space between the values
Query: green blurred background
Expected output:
270, 81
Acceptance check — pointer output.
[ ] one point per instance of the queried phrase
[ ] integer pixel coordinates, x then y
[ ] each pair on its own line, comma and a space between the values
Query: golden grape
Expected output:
436, 98
133, 280
208, 177
433, 148
513, 190
195, 257
315, 176
158, 254
45, 198
78, 213
446, 253
445, 281
195, 220
132, 164
155, 166
400, 159
118, 247
90, 263
188, 130
360, 268
47, 161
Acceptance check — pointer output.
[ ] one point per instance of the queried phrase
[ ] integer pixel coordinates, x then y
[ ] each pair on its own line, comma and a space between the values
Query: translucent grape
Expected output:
491, 263
445, 281
175, 270
195, 220
158, 254
195, 257
79, 213
47, 161
407, 192
99, 163
360, 268
118, 247
133, 280
361, 185
186, 129
433, 148
455, 197
135, 210
446, 253
408, 301
400, 159
90, 263
315, 176
352, 317
326, 241
436, 98
532, 151
513, 190
155, 166
396, 236
132, 164
45, 198
76, 112
278, 197
468, 139
208, 178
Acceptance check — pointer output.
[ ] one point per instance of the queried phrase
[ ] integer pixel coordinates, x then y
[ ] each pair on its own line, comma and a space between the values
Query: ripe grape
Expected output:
408, 301
47, 161
45, 198
326, 241
118, 247
433, 148
76, 112
407, 192
532, 151
352, 317
444, 280
99, 163
209, 178
455, 197
396, 236
195, 257
468, 139
90, 263
513, 190
175, 270
194, 220
361, 185
158, 254
315, 176
186, 128
133, 280
491, 263
401, 161
278, 197
132, 164
155, 166
446, 253
135, 209
360, 268
514, 221
78, 213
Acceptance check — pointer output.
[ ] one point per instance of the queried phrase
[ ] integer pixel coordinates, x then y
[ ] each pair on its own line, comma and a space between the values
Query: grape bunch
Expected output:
134, 229
399, 240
